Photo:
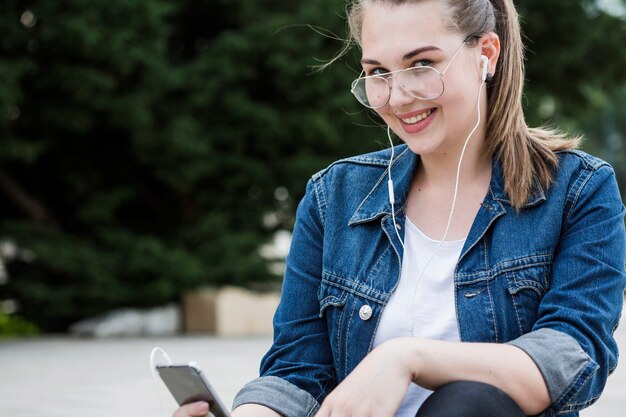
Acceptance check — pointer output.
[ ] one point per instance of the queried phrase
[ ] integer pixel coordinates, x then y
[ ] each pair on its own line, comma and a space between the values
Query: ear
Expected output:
489, 45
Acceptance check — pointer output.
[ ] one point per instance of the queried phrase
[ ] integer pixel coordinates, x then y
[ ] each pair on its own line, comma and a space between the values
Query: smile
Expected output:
417, 118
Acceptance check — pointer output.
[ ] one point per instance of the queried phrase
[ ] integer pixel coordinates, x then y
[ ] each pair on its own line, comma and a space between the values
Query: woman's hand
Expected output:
197, 409
376, 387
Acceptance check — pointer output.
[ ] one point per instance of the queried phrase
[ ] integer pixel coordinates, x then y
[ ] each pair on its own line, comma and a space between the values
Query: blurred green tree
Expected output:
575, 72
148, 147
151, 147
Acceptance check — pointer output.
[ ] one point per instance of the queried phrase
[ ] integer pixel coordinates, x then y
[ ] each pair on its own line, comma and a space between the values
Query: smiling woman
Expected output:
486, 280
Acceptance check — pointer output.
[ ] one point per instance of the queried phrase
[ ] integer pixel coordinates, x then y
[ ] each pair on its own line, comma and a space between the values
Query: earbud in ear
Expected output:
484, 67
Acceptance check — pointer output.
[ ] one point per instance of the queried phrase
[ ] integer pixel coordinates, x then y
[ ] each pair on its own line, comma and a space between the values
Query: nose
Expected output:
397, 95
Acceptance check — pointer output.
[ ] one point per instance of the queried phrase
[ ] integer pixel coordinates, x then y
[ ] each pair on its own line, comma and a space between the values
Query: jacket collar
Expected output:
376, 203
496, 188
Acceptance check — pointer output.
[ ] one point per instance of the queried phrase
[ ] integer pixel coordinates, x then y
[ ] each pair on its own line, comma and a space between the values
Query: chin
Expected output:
421, 145
421, 150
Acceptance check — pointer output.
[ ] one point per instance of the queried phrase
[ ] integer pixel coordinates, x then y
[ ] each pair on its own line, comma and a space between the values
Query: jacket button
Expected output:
365, 312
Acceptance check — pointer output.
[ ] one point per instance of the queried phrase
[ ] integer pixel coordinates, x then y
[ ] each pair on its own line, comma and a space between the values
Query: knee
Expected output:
469, 399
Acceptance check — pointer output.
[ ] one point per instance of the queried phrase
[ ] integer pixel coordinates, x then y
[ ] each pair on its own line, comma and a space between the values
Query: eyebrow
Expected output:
406, 56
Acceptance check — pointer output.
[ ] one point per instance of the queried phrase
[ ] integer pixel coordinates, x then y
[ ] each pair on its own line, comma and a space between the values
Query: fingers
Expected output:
198, 409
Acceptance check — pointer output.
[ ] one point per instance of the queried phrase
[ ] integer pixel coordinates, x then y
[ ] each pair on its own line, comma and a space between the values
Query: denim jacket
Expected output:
548, 279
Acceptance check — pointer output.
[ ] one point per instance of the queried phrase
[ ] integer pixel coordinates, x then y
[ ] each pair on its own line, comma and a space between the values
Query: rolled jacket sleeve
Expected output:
564, 365
572, 342
279, 395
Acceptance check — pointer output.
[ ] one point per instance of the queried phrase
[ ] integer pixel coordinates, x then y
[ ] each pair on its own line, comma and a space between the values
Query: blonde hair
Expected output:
527, 154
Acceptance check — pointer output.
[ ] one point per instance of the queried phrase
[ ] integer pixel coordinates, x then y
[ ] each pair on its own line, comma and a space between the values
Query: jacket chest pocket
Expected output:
526, 287
351, 319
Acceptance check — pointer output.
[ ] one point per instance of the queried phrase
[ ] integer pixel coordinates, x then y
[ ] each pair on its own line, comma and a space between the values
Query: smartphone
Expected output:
188, 384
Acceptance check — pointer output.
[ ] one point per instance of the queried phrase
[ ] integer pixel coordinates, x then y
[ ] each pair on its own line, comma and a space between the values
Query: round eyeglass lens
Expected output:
423, 83
372, 91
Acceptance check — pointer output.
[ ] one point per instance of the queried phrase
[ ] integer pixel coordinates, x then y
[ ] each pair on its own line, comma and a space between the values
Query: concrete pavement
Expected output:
65, 377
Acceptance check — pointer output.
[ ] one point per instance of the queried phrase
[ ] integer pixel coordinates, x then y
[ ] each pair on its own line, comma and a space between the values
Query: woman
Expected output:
481, 259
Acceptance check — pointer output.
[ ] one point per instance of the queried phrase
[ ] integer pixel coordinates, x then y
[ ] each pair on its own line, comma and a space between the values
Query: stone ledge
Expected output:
229, 311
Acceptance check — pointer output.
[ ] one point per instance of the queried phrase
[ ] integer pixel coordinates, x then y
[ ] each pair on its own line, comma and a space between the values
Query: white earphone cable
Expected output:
392, 198
154, 374
456, 189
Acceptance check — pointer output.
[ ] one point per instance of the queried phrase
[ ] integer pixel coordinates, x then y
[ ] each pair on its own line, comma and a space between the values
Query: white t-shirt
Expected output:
428, 305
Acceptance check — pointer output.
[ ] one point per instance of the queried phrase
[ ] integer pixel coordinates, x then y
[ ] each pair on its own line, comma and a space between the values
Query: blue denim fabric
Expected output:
548, 279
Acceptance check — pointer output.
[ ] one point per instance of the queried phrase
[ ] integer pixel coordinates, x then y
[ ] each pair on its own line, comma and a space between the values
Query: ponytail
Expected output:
527, 154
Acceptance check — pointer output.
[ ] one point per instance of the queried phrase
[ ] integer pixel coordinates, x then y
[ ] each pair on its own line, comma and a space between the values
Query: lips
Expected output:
417, 121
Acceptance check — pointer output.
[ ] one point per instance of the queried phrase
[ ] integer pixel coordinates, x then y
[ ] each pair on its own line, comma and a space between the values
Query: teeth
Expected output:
417, 118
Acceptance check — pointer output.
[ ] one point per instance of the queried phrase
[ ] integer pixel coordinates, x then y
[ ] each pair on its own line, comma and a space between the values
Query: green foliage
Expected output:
568, 44
149, 139
575, 73
142, 144
13, 326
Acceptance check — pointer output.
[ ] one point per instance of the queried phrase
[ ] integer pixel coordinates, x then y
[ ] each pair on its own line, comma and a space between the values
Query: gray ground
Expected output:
64, 377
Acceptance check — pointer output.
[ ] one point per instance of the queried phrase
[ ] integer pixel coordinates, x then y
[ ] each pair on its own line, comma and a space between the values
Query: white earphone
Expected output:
485, 66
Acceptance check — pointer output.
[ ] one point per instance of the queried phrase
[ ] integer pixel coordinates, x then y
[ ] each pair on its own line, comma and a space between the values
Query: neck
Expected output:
439, 168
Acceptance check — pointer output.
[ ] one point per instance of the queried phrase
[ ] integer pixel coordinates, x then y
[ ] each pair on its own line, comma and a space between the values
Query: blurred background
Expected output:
152, 148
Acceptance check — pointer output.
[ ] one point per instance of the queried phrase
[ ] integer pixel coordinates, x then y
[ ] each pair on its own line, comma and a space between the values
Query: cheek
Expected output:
385, 114
461, 87
459, 95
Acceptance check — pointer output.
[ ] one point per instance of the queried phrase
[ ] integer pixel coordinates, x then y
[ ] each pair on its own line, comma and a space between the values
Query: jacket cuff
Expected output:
565, 366
279, 395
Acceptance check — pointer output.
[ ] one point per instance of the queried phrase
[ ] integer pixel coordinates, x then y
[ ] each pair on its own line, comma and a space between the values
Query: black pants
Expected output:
469, 399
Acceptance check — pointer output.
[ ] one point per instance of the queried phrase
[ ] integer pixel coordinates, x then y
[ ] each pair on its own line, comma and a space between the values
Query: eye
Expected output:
377, 71
423, 63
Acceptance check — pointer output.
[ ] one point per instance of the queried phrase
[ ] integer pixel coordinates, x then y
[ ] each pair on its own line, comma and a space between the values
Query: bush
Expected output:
13, 326
148, 148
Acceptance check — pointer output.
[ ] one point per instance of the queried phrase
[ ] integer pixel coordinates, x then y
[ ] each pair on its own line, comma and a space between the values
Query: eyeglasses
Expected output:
424, 83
